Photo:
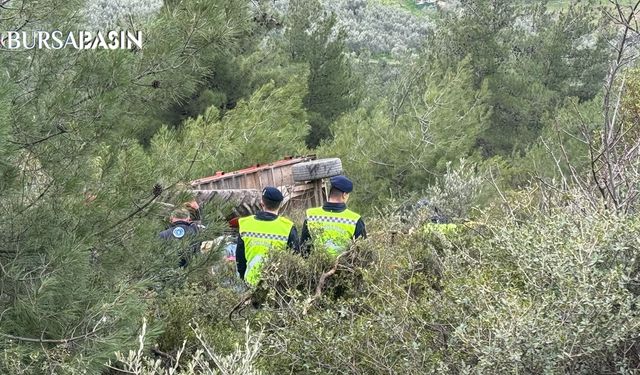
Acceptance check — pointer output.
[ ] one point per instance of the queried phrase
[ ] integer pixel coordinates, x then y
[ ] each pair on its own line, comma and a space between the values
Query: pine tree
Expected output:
314, 38
271, 124
79, 248
532, 58
392, 156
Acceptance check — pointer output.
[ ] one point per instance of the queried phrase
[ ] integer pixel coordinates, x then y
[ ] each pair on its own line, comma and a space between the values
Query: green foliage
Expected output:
205, 304
552, 294
390, 156
269, 125
93, 144
206, 360
79, 245
333, 88
631, 100
562, 149
532, 59
103, 14
560, 280
459, 191
7, 170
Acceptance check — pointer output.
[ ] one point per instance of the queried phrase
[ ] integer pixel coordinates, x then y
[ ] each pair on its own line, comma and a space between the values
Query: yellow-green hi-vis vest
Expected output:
259, 237
334, 230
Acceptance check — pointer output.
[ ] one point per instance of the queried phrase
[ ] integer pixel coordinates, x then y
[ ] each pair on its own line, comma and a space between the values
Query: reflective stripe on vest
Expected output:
265, 235
334, 230
259, 237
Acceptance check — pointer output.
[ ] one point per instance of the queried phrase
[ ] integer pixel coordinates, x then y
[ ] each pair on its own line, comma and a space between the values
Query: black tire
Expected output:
317, 169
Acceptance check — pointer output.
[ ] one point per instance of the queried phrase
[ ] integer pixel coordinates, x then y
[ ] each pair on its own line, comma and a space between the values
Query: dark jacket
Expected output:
241, 260
305, 238
178, 231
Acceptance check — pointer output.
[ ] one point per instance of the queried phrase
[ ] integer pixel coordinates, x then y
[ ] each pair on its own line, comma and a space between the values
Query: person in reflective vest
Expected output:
261, 233
333, 225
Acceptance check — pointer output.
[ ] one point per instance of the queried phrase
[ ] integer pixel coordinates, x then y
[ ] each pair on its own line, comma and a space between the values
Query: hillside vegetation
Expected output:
518, 122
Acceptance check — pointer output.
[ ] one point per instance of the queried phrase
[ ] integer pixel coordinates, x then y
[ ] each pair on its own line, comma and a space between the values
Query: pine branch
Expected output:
134, 213
30, 144
157, 191
53, 341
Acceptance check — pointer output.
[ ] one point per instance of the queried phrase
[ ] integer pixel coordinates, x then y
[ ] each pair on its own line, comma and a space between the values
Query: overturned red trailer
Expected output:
300, 179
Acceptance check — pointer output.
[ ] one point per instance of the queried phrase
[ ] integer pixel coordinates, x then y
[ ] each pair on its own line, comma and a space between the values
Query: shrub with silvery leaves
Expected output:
205, 361
456, 193
372, 26
107, 13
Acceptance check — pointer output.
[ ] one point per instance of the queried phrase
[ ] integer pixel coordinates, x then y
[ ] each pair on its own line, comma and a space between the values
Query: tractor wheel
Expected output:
317, 169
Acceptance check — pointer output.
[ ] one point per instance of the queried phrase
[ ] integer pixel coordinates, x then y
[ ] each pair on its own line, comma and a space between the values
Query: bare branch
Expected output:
42, 340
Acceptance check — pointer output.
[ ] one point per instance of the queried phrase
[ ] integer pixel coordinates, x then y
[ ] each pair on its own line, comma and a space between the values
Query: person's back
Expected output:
262, 233
333, 226
181, 227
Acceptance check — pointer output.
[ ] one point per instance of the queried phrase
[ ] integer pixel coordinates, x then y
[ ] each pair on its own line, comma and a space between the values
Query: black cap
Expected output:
272, 194
341, 183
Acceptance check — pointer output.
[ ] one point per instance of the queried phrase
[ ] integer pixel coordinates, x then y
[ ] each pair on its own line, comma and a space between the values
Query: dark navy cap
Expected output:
272, 194
342, 183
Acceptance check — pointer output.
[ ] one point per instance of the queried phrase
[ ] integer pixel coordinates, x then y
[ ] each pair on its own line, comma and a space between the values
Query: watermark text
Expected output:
79, 40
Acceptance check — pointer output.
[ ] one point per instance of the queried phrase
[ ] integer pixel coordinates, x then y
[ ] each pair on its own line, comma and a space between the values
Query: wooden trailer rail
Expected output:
244, 185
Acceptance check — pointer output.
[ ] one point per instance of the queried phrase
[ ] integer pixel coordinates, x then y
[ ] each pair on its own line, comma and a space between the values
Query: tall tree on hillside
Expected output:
532, 58
78, 249
333, 88
238, 139
390, 156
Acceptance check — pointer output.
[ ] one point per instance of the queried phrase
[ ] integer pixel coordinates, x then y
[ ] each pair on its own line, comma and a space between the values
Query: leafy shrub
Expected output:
239, 138
206, 361
205, 302
555, 293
